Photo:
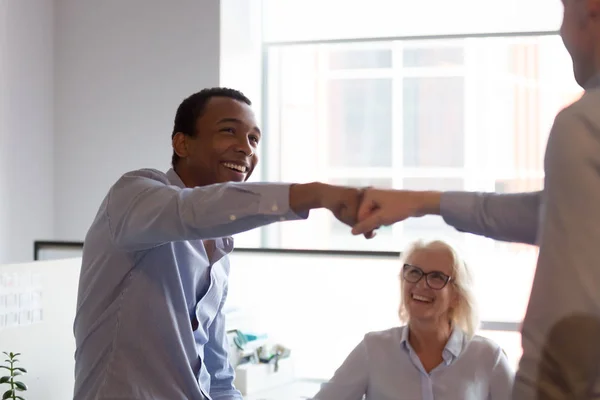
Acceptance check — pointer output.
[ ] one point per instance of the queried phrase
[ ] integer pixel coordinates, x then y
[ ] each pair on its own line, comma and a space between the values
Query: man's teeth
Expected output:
239, 168
421, 298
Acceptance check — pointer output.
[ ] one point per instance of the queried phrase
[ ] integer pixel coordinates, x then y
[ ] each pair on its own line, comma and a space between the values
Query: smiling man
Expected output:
149, 322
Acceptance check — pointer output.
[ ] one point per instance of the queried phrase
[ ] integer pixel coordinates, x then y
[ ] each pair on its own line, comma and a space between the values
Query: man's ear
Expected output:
180, 144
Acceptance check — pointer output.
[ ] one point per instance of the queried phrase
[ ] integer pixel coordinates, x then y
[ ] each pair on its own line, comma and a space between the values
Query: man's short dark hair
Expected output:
193, 107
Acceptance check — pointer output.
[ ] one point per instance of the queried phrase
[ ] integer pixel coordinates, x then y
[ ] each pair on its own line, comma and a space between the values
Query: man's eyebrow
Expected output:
238, 121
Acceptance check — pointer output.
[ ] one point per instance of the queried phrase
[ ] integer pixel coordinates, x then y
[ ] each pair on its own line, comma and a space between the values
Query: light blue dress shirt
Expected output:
384, 366
561, 329
147, 279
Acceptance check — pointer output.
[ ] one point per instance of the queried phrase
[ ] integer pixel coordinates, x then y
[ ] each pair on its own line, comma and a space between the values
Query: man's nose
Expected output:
245, 147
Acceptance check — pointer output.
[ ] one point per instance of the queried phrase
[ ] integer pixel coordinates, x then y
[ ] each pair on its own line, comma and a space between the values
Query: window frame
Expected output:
473, 180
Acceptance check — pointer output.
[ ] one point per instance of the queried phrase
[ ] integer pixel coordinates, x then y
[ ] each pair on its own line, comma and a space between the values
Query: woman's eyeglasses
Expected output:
436, 280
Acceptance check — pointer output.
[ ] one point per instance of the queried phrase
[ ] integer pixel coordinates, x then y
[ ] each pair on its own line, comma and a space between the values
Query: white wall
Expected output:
26, 118
121, 70
88, 91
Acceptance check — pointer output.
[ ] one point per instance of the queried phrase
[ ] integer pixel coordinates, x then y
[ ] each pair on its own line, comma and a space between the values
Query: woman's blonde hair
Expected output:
465, 315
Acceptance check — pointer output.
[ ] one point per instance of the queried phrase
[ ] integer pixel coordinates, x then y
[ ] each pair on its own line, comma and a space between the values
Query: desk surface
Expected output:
298, 390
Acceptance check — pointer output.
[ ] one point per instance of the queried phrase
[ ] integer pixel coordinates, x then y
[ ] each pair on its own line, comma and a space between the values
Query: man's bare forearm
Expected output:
429, 203
306, 196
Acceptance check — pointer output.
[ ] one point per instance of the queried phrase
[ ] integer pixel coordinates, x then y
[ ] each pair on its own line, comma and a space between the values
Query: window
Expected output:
449, 114
359, 123
433, 122
360, 59
380, 97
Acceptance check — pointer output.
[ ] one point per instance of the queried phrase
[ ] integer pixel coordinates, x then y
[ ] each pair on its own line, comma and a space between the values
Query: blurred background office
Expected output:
403, 94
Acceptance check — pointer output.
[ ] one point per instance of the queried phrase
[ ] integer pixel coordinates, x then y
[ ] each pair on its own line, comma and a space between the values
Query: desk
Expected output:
297, 390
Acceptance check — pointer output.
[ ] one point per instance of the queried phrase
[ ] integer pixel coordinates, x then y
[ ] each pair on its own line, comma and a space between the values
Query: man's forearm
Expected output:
429, 203
342, 201
145, 210
306, 196
511, 217
508, 217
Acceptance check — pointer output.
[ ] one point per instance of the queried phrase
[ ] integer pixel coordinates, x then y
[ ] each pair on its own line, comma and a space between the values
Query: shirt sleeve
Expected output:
562, 324
511, 217
502, 377
144, 210
350, 381
216, 359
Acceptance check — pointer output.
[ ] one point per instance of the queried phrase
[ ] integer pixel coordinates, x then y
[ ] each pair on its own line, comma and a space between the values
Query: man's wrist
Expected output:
429, 203
306, 196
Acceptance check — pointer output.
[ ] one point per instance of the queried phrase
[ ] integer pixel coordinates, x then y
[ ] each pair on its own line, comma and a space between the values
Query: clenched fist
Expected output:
381, 207
342, 201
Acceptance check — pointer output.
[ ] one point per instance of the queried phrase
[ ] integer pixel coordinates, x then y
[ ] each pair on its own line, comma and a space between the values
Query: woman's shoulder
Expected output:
382, 346
391, 335
483, 346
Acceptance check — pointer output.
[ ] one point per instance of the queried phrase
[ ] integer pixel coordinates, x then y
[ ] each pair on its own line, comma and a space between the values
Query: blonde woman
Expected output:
436, 355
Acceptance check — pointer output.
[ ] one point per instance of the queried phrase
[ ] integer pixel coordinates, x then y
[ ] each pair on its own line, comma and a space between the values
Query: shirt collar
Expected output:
174, 179
453, 347
404, 338
456, 342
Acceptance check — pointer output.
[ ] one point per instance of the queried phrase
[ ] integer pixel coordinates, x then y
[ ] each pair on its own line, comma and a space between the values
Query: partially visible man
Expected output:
561, 330
149, 321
